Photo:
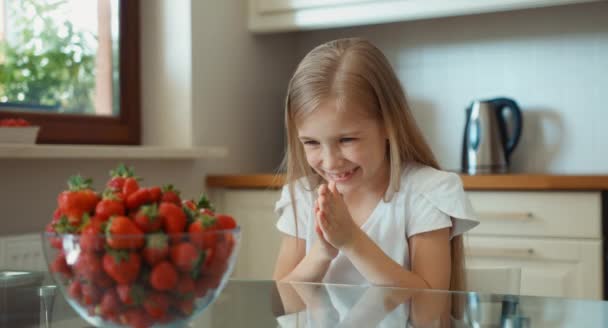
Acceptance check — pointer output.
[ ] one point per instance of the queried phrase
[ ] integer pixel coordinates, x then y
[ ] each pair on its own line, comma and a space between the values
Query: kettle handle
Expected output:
513, 139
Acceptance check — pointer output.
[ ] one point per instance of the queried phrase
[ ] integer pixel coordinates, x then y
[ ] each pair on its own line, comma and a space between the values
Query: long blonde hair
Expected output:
354, 70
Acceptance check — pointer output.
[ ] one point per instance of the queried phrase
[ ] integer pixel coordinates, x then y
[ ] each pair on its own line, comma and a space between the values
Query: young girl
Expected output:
365, 201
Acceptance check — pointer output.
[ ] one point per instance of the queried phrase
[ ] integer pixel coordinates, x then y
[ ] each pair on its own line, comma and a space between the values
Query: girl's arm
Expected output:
429, 254
293, 265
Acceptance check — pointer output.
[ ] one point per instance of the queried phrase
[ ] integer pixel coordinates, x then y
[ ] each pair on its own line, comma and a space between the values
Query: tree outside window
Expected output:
72, 67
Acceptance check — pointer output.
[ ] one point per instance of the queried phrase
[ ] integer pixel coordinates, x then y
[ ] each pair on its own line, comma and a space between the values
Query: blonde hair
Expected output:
354, 70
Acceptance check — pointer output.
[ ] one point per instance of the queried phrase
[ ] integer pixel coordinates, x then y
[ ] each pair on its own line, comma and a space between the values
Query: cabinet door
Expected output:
549, 267
293, 15
260, 239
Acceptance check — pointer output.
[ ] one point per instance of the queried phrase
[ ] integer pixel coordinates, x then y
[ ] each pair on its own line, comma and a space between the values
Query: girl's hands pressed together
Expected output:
337, 226
323, 246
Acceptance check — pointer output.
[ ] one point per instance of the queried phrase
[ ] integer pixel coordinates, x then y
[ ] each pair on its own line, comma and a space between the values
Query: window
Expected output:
72, 67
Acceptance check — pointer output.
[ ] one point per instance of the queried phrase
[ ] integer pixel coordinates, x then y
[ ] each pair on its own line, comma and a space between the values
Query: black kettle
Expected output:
487, 144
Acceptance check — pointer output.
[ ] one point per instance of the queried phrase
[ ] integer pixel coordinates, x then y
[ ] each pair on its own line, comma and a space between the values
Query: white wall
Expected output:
166, 71
238, 87
552, 61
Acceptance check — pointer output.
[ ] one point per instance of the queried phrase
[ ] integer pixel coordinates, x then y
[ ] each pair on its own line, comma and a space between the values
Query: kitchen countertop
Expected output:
470, 182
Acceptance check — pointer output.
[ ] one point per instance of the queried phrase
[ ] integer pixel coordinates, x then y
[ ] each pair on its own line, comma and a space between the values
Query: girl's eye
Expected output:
344, 140
310, 143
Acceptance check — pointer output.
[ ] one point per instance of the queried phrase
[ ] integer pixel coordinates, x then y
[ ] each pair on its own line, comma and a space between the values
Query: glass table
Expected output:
271, 304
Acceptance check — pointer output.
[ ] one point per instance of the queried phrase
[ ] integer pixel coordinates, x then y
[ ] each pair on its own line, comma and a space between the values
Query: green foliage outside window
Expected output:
46, 62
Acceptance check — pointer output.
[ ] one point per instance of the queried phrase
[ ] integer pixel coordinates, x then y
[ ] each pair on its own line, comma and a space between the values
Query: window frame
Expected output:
125, 129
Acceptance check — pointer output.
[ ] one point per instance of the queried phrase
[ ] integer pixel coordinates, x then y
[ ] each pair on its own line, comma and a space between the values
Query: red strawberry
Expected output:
147, 218
185, 287
75, 290
186, 257
92, 235
88, 266
173, 219
156, 194
156, 305
156, 249
130, 186
202, 231
90, 294
225, 222
171, 195
138, 198
122, 266
163, 276
118, 177
78, 199
111, 204
130, 294
123, 233
109, 305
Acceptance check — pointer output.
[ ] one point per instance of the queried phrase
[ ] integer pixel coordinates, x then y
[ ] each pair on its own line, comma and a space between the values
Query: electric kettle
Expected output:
488, 142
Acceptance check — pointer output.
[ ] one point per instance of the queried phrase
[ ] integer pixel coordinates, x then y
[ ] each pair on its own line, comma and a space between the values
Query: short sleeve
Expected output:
284, 209
441, 205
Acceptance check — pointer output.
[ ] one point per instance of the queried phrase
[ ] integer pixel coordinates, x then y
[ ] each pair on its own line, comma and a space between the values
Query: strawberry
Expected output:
173, 219
156, 193
138, 198
130, 186
118, 177
186, 257
201, 231
156, 249
130, 294
171, 195
75, 289
92, 235
111, 204
78, 199
109, 305
225, 222
185, 287
123, 233
60, 265
90, 294
156, 305
122, 266
147, 218
163, 276
88, 266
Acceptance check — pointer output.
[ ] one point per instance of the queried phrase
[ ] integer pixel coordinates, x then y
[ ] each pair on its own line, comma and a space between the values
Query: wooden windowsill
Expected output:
18, 151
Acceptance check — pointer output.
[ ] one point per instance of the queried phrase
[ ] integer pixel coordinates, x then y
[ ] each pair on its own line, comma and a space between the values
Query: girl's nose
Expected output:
332, 158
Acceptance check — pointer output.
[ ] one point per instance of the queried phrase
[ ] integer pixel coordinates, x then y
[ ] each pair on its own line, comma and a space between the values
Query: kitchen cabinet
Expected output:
554, 237
260, 239
294, 15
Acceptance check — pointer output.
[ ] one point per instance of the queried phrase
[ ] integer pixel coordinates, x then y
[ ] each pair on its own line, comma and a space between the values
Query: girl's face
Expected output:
345, 146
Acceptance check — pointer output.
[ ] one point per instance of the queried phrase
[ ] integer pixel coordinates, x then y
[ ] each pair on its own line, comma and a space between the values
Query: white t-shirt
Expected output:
428, 200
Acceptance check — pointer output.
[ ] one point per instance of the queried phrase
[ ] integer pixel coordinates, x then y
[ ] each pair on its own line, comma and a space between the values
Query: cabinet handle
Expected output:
506, 216
501, 252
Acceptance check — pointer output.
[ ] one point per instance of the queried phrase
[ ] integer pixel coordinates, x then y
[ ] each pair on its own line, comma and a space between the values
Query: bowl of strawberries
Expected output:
135, 256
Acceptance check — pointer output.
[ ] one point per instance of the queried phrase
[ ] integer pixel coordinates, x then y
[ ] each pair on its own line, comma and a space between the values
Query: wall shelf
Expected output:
17, 151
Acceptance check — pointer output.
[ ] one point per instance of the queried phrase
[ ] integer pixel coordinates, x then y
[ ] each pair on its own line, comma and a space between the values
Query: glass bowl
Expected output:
154, 280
